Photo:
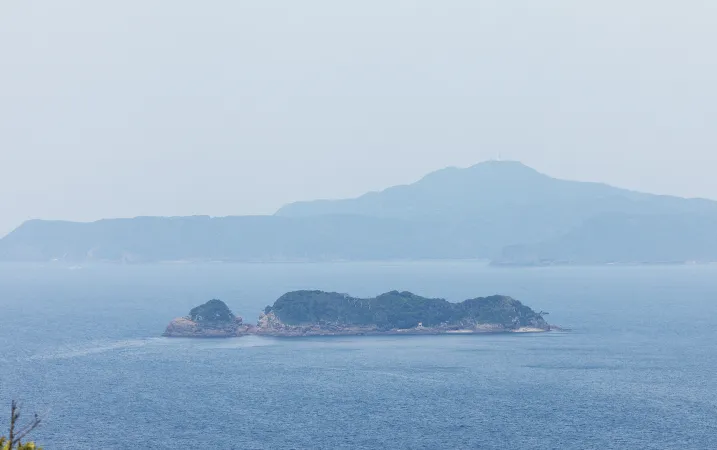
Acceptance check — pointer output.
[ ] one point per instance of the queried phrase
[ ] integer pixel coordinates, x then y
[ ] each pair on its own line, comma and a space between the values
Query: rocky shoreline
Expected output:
185, 327
270, 325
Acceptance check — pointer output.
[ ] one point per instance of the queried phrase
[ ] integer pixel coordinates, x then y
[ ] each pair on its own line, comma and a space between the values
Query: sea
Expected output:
82, 347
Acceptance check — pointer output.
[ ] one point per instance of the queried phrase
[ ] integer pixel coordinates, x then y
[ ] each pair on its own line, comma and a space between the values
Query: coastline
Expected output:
318, 331
399, 332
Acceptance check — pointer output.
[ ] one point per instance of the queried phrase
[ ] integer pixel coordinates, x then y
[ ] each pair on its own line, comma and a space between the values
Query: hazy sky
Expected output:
176, 107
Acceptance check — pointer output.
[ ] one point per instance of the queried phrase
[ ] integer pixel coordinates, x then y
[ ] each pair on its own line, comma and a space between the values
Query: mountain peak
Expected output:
501, 163
505, 167
450, 190
487, 171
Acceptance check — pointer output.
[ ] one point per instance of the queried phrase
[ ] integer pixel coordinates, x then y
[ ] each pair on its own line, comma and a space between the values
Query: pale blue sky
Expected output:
148, 107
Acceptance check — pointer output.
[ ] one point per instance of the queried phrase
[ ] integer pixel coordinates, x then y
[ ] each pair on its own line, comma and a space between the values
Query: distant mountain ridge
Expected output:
503, 211
240, 238
493, 184
535, 219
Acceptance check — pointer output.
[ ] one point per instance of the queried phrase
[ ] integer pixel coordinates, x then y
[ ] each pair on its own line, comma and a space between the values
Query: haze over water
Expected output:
635, 372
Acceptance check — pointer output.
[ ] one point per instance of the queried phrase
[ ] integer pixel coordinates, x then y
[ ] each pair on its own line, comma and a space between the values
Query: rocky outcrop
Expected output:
185, 327
210, 320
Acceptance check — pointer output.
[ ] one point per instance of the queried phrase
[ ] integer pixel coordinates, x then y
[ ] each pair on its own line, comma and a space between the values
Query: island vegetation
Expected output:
402, 310
213, 311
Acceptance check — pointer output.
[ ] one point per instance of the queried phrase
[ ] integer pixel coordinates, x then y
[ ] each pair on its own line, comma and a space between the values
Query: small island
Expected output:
213, 319
318, 313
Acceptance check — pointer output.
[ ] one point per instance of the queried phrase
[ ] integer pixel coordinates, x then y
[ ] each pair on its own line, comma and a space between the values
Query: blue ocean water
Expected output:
80, 345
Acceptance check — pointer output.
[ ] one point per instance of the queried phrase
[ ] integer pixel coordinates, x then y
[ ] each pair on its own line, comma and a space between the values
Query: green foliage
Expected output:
401, 310
211, 312
27, 446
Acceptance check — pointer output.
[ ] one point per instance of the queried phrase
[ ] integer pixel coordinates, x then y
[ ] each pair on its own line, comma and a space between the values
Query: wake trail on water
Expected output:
97, 347
92, 348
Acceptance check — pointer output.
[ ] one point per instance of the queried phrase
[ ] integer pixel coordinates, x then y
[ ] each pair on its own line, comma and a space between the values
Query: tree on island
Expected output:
212, 311
18, 433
